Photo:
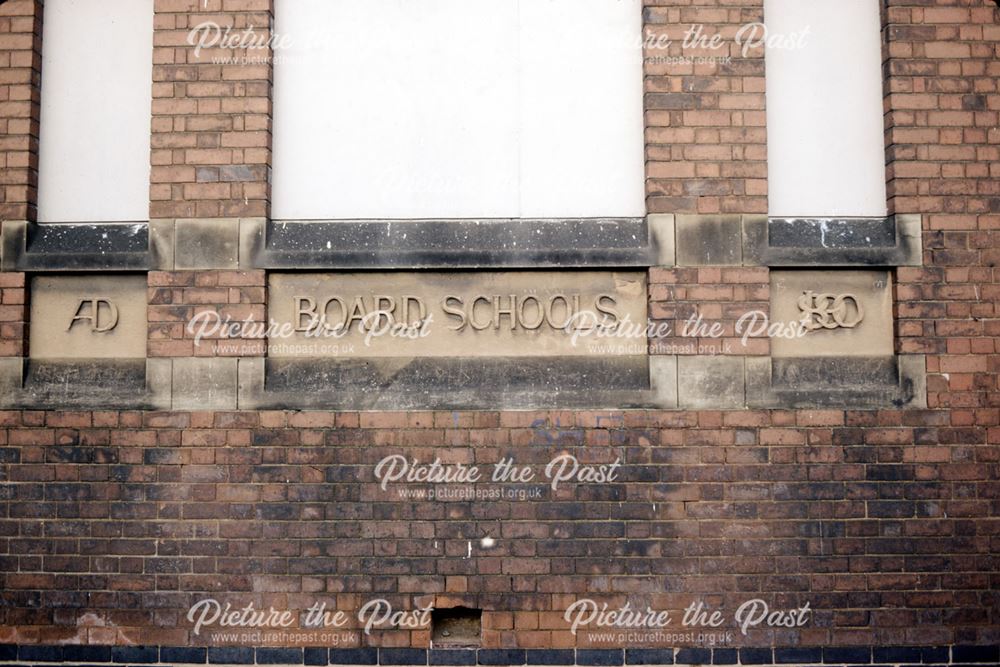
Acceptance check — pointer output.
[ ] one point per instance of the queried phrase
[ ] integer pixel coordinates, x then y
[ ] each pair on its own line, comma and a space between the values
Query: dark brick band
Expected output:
880, 656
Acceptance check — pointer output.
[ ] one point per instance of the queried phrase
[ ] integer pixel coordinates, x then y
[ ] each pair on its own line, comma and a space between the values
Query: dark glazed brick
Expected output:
452, 657
316, 656
183, 655
859, 655
135, 654
798, 655
725, 656
756, 656
41, 653
84, 653
279, 656
698, 656
234, 655
897, 654
599, 657
649, 656
8, 652
935, 653
501, 656
402, 656
975, 654
353, 656
551, 656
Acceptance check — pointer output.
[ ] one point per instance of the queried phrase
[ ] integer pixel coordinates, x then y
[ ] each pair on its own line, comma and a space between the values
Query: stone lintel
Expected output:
658, 240
78, 247
858, 242
455, 244
863, 383
709, 240
690, 383
201, 244
479, 383
98, 384
203, 383
711, 383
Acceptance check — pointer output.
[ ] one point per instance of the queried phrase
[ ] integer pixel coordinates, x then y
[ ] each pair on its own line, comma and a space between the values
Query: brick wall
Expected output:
123, 520
113, 523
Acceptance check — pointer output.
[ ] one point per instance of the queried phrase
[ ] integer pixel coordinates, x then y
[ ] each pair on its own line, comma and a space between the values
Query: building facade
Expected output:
549, 332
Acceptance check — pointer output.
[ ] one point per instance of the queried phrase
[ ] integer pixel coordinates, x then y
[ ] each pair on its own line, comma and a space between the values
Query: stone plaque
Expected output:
88, 317
457, 314
839, 313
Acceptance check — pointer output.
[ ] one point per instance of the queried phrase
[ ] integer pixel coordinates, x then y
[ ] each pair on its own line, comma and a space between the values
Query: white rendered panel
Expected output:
97, 73
456, 109
826, 154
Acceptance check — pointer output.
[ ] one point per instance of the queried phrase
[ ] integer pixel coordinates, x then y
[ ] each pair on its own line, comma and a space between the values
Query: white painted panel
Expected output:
581, 109
826, 153
395, 109
403, 109
97, 61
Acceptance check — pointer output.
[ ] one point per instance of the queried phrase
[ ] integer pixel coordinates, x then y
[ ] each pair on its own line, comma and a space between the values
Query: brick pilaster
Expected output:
943, 152
13, 315
20, 60
211, 110
216, 299
701, 309
706, 136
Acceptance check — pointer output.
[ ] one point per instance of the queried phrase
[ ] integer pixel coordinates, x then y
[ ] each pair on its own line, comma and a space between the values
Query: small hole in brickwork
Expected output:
458, 626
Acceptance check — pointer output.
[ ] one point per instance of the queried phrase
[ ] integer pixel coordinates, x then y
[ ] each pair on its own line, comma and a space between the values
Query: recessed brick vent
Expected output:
458, 626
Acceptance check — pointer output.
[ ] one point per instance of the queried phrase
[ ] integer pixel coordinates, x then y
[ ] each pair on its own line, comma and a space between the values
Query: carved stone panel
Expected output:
88, 317
836, 313
458, 314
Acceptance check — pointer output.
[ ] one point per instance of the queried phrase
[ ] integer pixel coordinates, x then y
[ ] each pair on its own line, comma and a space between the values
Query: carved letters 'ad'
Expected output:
88, 317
